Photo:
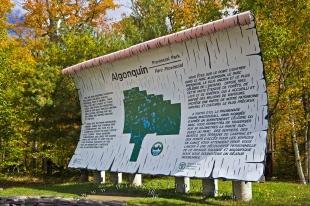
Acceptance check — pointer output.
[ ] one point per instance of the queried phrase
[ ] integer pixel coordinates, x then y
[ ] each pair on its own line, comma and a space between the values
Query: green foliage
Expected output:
190, 13
149, 19
39, 108
58, 125
40, 114
16, 69
283, 28
76, 45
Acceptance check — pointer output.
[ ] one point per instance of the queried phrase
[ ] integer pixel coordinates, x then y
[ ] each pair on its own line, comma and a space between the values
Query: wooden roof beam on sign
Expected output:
198, 31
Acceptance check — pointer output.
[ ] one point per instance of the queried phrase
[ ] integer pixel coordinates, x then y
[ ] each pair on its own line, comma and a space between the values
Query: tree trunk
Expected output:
270, 156
48, 167
306, 105
1, 147
297, 154
34, 157
269, 166
307, 151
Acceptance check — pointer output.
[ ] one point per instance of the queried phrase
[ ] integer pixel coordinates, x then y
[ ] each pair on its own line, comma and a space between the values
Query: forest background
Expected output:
39, 107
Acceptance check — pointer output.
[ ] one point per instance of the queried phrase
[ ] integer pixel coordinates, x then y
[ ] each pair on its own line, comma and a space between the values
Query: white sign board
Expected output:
195, 108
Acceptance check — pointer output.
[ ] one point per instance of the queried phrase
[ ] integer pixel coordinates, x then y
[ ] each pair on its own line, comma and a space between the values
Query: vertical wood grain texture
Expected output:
232, 51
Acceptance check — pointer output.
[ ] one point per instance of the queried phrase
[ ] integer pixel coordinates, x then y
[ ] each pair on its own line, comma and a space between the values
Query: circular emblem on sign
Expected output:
182, 165
157, 148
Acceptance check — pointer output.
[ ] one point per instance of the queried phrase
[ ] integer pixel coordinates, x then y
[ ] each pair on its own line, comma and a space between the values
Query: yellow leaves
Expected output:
47, 16
189, 13
186, 13
96, 11
16, 53
5, 7
37, 17
19, 67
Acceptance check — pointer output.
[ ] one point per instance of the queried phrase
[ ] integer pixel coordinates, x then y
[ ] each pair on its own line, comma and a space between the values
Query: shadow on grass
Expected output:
29, 181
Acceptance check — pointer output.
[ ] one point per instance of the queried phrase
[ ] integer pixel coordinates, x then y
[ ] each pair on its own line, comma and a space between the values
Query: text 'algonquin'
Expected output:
130, 73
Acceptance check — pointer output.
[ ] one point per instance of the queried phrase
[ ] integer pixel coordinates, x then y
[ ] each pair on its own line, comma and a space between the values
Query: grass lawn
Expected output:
160, 191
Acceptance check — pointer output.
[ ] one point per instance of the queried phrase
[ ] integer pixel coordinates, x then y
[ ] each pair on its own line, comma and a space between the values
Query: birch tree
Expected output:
283, 28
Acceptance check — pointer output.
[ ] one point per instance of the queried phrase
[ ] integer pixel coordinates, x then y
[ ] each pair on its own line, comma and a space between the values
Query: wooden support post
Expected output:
116, 177
102, 174
182, 184
135, 179
242, 190
210, 187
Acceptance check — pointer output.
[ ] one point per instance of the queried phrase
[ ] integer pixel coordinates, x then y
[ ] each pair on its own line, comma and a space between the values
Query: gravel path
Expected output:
49, 201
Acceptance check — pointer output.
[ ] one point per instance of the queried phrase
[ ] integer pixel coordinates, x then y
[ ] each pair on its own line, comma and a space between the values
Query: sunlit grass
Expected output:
160, 191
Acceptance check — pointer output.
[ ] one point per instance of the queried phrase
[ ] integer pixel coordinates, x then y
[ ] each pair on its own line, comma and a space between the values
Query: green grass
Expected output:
268, 193
160, 191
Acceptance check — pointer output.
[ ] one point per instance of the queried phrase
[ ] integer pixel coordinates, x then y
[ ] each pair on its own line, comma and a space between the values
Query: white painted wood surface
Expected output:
242, 190
210, 55
135, 179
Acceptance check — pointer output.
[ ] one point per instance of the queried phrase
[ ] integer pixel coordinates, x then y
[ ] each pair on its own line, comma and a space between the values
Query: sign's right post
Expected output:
242, 190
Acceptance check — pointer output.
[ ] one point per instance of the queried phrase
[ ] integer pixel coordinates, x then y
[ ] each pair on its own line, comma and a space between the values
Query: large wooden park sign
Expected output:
192, 104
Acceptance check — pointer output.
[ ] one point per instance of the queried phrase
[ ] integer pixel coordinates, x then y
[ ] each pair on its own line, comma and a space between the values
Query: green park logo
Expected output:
182, 166
157, 148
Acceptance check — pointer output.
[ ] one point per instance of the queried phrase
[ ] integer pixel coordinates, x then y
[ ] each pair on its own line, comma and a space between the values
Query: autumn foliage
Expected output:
39, 108
47, 17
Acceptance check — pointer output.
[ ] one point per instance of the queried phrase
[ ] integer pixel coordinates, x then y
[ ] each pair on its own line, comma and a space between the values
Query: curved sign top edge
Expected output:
191, 33
196, 107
